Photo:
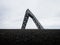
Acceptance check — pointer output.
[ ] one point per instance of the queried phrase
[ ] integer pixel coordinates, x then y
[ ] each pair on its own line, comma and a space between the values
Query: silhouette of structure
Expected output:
30, 14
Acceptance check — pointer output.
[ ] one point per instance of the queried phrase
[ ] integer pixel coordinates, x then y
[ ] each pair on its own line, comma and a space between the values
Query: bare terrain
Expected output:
29, 37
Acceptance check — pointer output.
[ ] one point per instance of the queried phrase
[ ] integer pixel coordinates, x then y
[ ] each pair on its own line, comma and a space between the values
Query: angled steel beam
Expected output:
30, 14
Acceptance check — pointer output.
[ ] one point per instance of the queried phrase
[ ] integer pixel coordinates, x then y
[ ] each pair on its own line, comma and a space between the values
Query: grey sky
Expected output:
46, 11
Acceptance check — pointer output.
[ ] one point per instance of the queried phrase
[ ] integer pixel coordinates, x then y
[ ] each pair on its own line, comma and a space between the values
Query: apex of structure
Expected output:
27, 11
26, 17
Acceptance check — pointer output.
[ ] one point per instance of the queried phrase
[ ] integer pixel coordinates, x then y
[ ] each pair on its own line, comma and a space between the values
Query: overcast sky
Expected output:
46, 11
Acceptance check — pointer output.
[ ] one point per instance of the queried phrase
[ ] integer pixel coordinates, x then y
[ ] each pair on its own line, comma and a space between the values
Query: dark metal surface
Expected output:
26, 17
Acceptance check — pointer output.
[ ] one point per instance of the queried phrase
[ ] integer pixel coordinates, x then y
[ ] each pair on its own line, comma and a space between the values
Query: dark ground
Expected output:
29, 37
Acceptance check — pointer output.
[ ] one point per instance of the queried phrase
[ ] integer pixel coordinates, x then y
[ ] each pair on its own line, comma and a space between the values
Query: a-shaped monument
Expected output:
26, 17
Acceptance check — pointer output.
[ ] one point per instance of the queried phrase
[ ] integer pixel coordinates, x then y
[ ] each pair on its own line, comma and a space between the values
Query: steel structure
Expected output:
30, 14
